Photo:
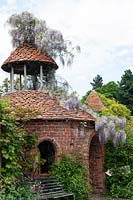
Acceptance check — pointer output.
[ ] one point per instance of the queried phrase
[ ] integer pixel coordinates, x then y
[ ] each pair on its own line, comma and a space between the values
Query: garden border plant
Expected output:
14, 145
115, 128
71, 173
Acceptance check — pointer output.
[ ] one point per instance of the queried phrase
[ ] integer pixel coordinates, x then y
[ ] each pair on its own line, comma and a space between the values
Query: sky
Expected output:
102, 28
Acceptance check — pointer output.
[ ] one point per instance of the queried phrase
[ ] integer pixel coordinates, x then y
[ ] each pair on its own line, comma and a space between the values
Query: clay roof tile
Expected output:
94, 101
27, 53
48, 108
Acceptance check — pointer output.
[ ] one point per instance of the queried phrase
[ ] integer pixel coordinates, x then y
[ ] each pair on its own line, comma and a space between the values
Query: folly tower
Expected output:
59, 130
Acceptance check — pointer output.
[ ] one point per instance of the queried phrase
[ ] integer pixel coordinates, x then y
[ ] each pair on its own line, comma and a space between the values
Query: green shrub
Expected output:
15, 144
119, 159
71, 174
120, 162
12, 190
83, 100
112, 107
116, 109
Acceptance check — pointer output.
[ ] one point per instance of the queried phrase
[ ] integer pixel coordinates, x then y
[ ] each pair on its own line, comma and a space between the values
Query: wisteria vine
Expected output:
107, 127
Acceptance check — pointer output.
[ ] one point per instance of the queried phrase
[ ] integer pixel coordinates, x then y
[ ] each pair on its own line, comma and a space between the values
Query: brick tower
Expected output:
59, 130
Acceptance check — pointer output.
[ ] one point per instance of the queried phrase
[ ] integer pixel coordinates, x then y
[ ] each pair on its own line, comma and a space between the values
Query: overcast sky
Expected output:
102, 28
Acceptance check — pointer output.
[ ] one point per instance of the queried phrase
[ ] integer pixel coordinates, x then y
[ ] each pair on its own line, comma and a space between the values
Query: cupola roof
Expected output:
31, 57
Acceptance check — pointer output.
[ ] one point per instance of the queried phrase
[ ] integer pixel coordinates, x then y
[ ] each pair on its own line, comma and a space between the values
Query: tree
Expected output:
97, 82
111, 125
5, 87
58, 86
25, 28
110, 90
125, 91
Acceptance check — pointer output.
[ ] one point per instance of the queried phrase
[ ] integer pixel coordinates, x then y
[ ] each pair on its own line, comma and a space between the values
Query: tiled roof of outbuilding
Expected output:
95, 102
27, 53
48, 107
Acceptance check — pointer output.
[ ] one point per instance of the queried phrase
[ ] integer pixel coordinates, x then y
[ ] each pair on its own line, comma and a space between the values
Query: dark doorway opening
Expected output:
47, 152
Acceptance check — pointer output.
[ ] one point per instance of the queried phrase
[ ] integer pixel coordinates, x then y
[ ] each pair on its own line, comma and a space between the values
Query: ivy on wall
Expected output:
14, 143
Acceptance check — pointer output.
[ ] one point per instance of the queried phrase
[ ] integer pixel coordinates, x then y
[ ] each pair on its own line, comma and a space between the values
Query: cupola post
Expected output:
25, 77
41, 77
12, 79
20, 81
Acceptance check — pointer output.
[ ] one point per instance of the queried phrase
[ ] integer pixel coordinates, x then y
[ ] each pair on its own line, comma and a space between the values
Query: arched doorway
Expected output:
96, 161
47, 152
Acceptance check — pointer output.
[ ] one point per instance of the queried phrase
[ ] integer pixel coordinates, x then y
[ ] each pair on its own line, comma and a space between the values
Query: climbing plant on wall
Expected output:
14, 160
13, 142
115, 125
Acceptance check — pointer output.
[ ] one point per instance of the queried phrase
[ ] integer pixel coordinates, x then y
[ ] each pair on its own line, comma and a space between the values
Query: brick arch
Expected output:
57, 148
96, 161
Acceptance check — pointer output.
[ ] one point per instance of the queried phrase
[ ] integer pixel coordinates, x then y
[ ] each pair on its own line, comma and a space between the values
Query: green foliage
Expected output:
120, 162
14, 144
110, 90
119, 159
14, 190
114, 108
71, 174
122, 91
14, 147
83, 100
125, 92
97, 82
5, 87
120, 155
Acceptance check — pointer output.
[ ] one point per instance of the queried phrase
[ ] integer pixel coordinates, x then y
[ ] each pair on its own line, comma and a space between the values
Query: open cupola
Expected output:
32, 66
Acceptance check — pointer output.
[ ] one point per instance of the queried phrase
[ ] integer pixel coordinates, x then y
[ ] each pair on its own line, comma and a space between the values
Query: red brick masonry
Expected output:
65, 130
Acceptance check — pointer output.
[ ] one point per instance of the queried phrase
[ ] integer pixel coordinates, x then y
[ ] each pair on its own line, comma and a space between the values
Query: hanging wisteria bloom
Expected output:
111, 128
107, 127
26, 28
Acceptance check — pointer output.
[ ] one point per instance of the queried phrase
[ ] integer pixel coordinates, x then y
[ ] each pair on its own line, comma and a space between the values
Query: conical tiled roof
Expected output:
47, 107
28, 55
95, 102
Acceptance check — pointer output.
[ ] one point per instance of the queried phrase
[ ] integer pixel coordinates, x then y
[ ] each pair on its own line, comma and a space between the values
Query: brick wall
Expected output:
96, 161
72, 137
